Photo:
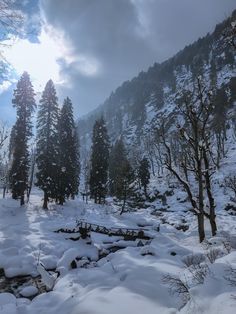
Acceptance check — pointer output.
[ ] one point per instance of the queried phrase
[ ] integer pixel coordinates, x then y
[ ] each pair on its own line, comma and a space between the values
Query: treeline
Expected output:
111, 172
54, 163
57, 146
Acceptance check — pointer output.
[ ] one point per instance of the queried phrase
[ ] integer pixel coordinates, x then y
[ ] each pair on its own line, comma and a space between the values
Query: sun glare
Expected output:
40, 59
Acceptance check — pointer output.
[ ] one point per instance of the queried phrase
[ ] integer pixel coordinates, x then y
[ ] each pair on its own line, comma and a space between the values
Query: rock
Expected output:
29, 291
230, 208
73, 264
140, 243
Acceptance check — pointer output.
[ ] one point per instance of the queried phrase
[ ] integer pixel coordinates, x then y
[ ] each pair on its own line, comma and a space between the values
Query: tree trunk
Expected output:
212, 215
4, 192
123, 206
145, 191
31, 179
152, 167
45, 201
213, 224
201, 232
22, 200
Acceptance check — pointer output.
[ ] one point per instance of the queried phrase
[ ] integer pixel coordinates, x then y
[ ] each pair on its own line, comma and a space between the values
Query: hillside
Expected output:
132, 109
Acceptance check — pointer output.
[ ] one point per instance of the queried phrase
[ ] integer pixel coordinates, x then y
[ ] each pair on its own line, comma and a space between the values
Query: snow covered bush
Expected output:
177, 286
193, 259
213, 254
231, 276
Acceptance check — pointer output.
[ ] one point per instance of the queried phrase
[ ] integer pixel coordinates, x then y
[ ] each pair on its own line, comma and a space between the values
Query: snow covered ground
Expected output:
129, 280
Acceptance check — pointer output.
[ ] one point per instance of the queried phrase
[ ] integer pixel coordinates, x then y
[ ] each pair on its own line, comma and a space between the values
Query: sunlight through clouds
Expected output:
40, 59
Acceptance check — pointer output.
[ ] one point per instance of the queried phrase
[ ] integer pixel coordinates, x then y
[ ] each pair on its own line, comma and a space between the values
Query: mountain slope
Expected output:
132, 109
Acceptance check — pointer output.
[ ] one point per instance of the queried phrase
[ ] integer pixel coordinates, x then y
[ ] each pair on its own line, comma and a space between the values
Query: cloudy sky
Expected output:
89, 47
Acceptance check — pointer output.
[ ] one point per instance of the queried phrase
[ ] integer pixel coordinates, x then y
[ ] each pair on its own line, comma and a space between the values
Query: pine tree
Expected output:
213, 75
144, 174
117, 158
99, 161
69, 167
12, 141
121, 174
24, 103
47, 143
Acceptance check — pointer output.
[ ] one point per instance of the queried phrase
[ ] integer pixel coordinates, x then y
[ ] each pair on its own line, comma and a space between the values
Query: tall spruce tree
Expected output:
69, 167
99, 161
121, 174
47, 144
24, 103
144, 174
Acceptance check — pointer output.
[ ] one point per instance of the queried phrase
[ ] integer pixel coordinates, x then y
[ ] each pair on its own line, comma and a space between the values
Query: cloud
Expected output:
113, 40
89, 47
108, 42
40, 59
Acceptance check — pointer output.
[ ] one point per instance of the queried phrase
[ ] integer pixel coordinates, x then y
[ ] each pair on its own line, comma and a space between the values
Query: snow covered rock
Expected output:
64, 263
47, 278
7, 298
29, 291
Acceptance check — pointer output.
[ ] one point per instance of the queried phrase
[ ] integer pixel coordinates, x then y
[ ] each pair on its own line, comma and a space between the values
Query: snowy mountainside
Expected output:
133, 108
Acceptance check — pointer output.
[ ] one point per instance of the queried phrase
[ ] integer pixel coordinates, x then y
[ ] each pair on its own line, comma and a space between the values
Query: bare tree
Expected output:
3, 154
3, 134
11, 28
197, 206
11, 19
195, 151
148, 143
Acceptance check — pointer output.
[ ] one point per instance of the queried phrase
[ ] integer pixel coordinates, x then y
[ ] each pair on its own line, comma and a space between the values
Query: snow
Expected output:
7, 298
47, 278
29, 291
7, 303
127, 279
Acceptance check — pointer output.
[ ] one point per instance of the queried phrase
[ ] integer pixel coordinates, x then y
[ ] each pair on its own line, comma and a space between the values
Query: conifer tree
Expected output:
144, 174
24, 103
99, 161
117, 158
69, 167
47, 144
121, 174
213, 75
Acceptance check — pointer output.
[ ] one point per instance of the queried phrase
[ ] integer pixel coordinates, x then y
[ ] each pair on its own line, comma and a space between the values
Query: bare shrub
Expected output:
199, 272
230, 183
231, 276
227, 246
176, 286
193, 259
213, 254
